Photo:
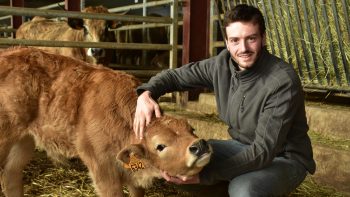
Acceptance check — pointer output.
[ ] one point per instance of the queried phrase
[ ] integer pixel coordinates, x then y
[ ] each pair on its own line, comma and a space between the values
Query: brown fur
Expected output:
74, 109
40, 28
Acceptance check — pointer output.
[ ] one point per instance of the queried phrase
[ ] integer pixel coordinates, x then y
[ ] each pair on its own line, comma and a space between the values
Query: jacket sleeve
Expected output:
273, 125
192, 75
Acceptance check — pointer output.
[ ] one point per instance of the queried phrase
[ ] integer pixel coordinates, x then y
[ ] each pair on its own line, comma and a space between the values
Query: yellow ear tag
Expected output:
134, 164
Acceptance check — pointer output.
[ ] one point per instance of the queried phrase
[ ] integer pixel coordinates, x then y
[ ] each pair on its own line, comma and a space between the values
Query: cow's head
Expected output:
169, 145
95, 31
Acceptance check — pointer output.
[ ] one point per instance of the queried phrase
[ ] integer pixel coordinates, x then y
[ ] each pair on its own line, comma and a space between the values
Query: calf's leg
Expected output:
12, 173
105, 176
102, 168
136, 191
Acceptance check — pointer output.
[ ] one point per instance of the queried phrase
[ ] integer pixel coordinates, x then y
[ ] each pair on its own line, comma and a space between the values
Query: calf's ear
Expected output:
76, 23
131, 151
114, 24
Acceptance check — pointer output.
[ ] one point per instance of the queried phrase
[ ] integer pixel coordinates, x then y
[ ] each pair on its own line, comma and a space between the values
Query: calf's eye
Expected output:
160, 147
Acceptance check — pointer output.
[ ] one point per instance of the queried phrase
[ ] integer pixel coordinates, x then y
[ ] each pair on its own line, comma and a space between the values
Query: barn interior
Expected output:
200, 36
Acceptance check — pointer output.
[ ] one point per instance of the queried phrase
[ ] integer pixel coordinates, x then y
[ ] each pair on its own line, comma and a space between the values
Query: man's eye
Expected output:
252, 39
233, 41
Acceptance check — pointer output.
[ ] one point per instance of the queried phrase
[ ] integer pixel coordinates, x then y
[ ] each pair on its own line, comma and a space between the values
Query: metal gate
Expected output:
312, 35
148, 22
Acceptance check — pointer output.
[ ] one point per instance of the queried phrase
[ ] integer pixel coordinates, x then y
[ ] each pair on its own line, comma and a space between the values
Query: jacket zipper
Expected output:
242, 104
241, 109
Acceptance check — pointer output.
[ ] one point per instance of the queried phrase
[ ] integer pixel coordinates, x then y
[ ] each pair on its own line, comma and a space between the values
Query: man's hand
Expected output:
180, 179
145, 109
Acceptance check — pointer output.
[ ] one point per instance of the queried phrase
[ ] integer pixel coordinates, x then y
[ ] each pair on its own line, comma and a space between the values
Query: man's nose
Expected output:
243, 46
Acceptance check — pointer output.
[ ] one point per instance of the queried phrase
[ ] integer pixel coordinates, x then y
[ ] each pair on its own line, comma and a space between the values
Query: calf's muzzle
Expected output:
199, 148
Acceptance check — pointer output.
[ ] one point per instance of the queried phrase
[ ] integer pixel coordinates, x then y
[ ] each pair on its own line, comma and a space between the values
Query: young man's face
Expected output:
244, 41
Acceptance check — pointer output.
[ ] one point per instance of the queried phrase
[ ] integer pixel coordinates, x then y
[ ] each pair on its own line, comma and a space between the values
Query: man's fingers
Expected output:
141, 128
135, 127
148, 119
138, 126
146, 108
157, 111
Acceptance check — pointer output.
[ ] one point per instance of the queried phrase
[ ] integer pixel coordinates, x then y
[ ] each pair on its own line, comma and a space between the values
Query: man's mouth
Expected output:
245, 55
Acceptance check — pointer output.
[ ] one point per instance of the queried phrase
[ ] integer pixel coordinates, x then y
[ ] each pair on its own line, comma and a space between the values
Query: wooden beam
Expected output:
16, 21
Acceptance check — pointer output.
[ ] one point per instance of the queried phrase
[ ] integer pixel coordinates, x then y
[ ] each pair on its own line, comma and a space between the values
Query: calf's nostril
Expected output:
200, 147
203, 143
194, 150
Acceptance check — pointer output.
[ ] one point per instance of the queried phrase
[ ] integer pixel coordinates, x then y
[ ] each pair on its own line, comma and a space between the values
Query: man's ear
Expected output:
133, 150
226, 44
76, 23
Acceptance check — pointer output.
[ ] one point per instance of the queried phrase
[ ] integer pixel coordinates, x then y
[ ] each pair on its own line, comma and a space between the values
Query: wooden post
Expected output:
73, 5
196, 25
16, 21
196, 17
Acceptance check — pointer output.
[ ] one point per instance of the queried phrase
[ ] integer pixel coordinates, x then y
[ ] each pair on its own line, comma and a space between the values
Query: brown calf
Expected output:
74, 109
88, 30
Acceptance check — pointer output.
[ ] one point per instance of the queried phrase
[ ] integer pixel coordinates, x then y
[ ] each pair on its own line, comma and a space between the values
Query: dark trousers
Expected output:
280, 178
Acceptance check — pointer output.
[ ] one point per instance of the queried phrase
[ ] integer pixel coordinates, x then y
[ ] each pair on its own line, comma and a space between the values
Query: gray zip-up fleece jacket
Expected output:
263, 107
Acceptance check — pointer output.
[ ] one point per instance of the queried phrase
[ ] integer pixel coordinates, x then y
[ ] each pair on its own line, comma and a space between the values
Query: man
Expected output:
259, 96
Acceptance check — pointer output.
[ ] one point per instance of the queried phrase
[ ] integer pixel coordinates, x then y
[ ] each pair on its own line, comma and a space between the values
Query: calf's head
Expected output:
95, 30
169, 145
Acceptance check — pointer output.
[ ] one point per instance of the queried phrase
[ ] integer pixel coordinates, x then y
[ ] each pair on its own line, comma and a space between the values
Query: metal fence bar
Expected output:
330, 43
74, 14
52, 6
303, 44
255, 3
41, 8
279, 46
228, 4
109, 45
7, 30
140, 6
311, 41
5, 17
294, 44
212, 29
173, 35
140, 26
346, 16
340, 41
328, 88
268, 27
318, 31
284, 32
222, 30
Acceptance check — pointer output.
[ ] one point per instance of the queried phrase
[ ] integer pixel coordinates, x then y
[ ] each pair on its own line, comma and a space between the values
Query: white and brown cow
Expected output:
74, 109
89, 30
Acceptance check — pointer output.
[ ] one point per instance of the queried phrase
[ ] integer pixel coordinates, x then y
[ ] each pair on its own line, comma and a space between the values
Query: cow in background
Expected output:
158, 59
74, 109
88, 30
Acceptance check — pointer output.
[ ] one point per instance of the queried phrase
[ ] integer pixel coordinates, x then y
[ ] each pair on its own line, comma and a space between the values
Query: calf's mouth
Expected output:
199, 154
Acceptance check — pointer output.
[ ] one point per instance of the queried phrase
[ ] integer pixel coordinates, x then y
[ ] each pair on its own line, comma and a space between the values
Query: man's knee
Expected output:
245, 188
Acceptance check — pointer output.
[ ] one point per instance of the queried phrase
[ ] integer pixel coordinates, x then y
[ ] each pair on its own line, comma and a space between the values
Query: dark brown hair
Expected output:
245, 13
